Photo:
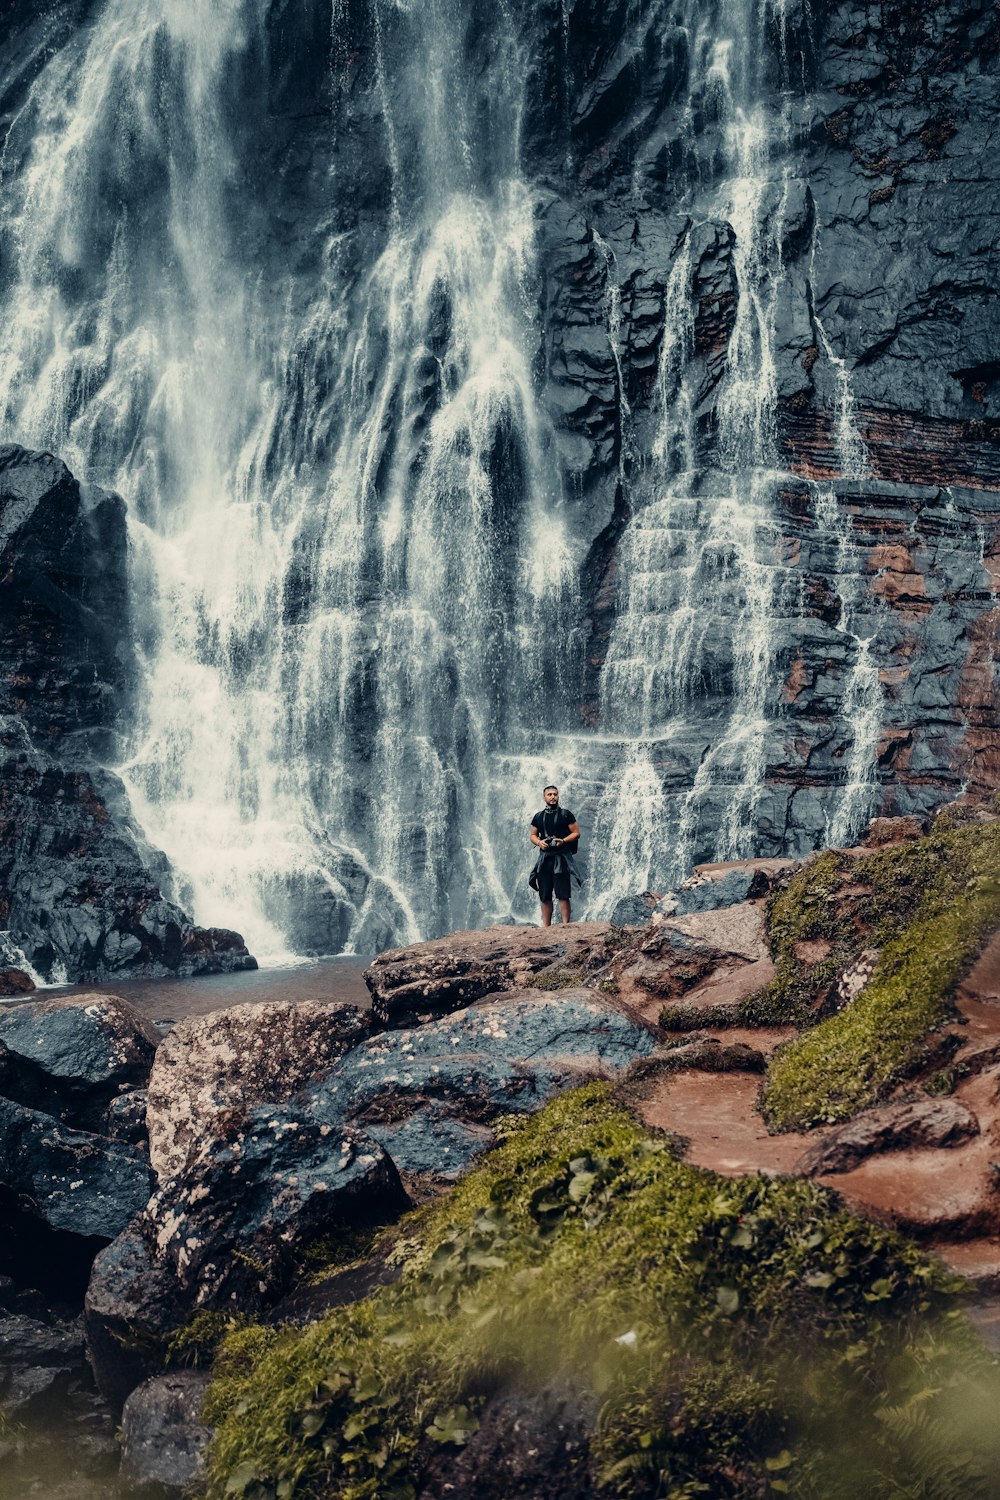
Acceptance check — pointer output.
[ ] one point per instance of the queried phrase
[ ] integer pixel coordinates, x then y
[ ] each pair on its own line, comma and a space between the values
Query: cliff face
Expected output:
592, 392
883, 335
80, 890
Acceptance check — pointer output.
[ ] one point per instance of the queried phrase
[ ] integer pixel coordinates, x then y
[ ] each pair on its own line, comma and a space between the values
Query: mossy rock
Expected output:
927, 908
724, 1337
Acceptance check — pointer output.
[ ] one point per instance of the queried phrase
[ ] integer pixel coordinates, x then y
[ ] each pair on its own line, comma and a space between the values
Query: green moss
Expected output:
716, 1323
195, 1344
928, 907
555, 979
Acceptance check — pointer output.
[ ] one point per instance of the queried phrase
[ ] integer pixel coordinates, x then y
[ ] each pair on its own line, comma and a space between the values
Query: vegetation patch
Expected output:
730, 1337
927, 908
555, 979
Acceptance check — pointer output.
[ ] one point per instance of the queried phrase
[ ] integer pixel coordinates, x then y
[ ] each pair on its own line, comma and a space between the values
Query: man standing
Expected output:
555, 834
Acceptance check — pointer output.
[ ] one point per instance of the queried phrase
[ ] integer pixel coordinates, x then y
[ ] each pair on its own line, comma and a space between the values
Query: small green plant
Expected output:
196, 1343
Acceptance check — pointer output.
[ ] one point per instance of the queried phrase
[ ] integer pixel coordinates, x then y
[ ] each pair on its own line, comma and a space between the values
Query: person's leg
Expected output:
561, 888
547, 913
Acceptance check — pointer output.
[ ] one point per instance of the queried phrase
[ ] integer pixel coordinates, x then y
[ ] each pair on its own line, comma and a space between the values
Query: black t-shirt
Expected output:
554, 823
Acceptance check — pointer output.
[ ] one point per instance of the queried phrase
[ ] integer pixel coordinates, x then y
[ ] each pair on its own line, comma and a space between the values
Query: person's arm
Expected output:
536, 838
572, 836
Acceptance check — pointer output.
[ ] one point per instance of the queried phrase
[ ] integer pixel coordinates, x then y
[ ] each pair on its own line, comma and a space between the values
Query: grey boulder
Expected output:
72, 1057
163, 1437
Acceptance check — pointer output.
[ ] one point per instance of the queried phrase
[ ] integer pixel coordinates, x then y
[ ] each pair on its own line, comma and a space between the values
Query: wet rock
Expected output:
34, 1392
429, 1094
15, 982
213, 1069
69, 1181
729, 890
38, 1362
228, 1234
163, 1437
125, 1119
921, 1125
81, 892
71, 1057
449, 973
632, 911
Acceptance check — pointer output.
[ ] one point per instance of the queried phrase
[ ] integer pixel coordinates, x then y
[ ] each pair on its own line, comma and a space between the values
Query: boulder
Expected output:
14, 982
163, 1437
729, 890
428, 1094
71, 1182
228, 1233
446, 974
72, 1057
632, 911
921, 1124
37, 1363
212, 1069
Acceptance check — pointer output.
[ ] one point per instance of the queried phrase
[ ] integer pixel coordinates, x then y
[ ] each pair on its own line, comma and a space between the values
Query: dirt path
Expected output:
947, 1197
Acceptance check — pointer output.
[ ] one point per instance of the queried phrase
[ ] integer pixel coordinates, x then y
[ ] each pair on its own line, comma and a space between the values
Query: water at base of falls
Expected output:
355, 570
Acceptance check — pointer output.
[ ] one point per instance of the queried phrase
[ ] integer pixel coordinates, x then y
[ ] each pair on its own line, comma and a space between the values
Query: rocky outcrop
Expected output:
212, 1070
227, 1233
922, 1124
430, 1094
450, 973
81, 893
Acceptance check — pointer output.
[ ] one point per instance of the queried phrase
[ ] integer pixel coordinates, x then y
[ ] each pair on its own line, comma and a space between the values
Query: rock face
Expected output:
225, 1235
73, 1057
81, 893
429, 1094
450, 973
211, 1069
767, 419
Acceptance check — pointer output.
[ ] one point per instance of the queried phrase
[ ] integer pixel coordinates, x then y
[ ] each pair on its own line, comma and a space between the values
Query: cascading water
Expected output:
328, 517
354, 557
701, 575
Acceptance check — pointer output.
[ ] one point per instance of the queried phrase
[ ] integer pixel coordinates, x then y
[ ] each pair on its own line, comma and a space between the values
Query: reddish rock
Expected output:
15, 982
937, 1123
883, 831
450, 973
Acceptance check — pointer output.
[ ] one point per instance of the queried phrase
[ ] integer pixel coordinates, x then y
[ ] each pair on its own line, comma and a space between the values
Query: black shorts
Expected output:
549, 881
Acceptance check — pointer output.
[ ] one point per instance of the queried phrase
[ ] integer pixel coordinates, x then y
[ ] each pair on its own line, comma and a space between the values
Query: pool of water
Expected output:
170, 999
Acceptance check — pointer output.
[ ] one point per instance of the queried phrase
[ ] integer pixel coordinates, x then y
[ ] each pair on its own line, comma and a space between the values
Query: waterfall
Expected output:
356, 549
701, 573
330, 505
